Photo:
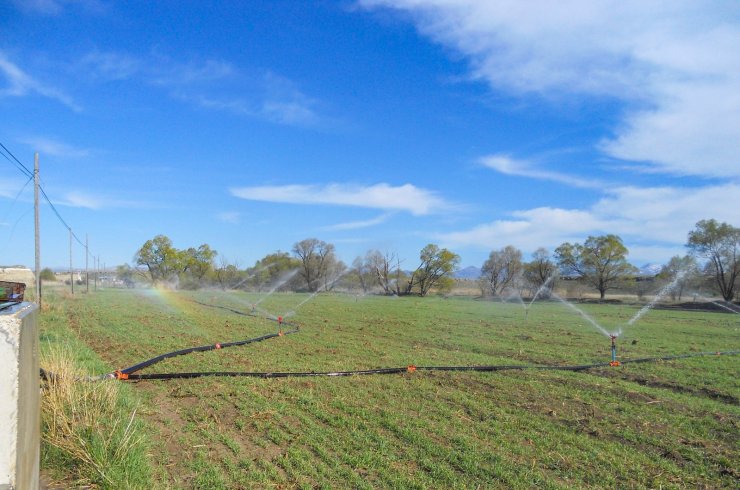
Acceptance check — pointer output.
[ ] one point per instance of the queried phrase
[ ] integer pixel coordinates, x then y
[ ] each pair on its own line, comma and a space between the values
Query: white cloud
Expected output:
20, 84
79, 199
510, 166
356, 225
55, 7
50, 146
10, 186
229, 217
212, 84
406, 197
651, 221
528, 230
674, 63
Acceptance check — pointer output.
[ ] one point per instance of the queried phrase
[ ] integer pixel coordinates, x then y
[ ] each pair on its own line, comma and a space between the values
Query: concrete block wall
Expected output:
20, 426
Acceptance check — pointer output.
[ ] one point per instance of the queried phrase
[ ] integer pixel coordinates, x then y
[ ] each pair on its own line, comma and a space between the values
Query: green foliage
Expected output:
719, 243
162, 260
166, 264
601, 261
198, 262
436, 264
273, 269
48, 275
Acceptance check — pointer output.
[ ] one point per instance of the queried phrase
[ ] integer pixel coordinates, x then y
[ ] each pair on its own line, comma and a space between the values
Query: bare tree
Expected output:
227, 274
317, 257
381, 266
683, 270
539, 271
502, 269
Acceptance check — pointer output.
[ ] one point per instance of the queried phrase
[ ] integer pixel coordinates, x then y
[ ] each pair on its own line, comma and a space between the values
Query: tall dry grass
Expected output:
89, 428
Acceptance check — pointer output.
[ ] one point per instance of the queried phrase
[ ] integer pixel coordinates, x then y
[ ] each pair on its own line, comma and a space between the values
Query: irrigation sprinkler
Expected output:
614, 361
280, 325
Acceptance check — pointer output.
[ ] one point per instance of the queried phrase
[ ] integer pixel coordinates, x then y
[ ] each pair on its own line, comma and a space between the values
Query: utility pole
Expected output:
87, 273
36, 225
71, 272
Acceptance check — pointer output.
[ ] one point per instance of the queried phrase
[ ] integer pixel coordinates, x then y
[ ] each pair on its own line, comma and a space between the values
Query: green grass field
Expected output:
673, 424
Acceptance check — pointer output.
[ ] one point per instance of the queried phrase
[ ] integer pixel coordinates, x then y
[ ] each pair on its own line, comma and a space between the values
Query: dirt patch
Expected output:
677, 388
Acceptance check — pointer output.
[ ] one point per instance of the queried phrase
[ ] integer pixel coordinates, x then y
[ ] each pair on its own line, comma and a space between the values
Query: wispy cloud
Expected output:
232, 217
356, 225
11, 186
406, 197
51, 146
510, 166
82, 199
211, 84
673, 64
20, 84
657, 218
55, 7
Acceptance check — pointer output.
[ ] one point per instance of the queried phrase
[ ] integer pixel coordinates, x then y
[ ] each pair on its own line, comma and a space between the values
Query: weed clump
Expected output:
89, 429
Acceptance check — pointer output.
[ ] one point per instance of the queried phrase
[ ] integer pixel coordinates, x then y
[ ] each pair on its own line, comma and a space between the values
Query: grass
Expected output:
91, 436
666, 424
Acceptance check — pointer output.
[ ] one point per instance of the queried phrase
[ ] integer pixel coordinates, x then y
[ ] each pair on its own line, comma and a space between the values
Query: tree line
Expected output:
600, 262
713, 261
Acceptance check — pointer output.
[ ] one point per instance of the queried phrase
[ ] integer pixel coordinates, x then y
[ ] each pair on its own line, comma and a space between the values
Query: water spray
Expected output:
614, 361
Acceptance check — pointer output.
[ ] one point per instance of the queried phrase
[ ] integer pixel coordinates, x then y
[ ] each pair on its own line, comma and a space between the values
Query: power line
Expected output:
20, 166
15, 161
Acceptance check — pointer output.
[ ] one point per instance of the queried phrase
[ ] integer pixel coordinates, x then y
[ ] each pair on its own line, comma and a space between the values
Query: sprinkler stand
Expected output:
614, 361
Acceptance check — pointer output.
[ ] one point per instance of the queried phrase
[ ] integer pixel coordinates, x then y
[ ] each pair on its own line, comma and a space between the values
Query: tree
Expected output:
198, 262
162, 260
362, 270
539, 271
502, 269
227, 274
47, 274
317, 260
601, 261
719, 243
381, 266
126, 274
275, 270
683, 270
436, 266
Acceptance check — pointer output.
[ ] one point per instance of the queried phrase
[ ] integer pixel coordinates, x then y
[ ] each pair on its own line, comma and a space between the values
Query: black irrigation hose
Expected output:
124, 373
201, 348
411, 369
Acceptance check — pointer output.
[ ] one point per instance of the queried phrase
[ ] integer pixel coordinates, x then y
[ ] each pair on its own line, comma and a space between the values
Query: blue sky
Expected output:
370, 124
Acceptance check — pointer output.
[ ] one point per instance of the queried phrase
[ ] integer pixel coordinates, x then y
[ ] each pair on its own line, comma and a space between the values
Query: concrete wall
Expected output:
20, 427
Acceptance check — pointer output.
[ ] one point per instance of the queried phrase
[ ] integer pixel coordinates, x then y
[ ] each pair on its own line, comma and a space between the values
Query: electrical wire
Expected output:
16, 162
28, 173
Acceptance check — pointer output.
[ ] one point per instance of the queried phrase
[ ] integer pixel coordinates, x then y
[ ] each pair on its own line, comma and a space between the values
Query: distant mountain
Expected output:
471, 272
650, 270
